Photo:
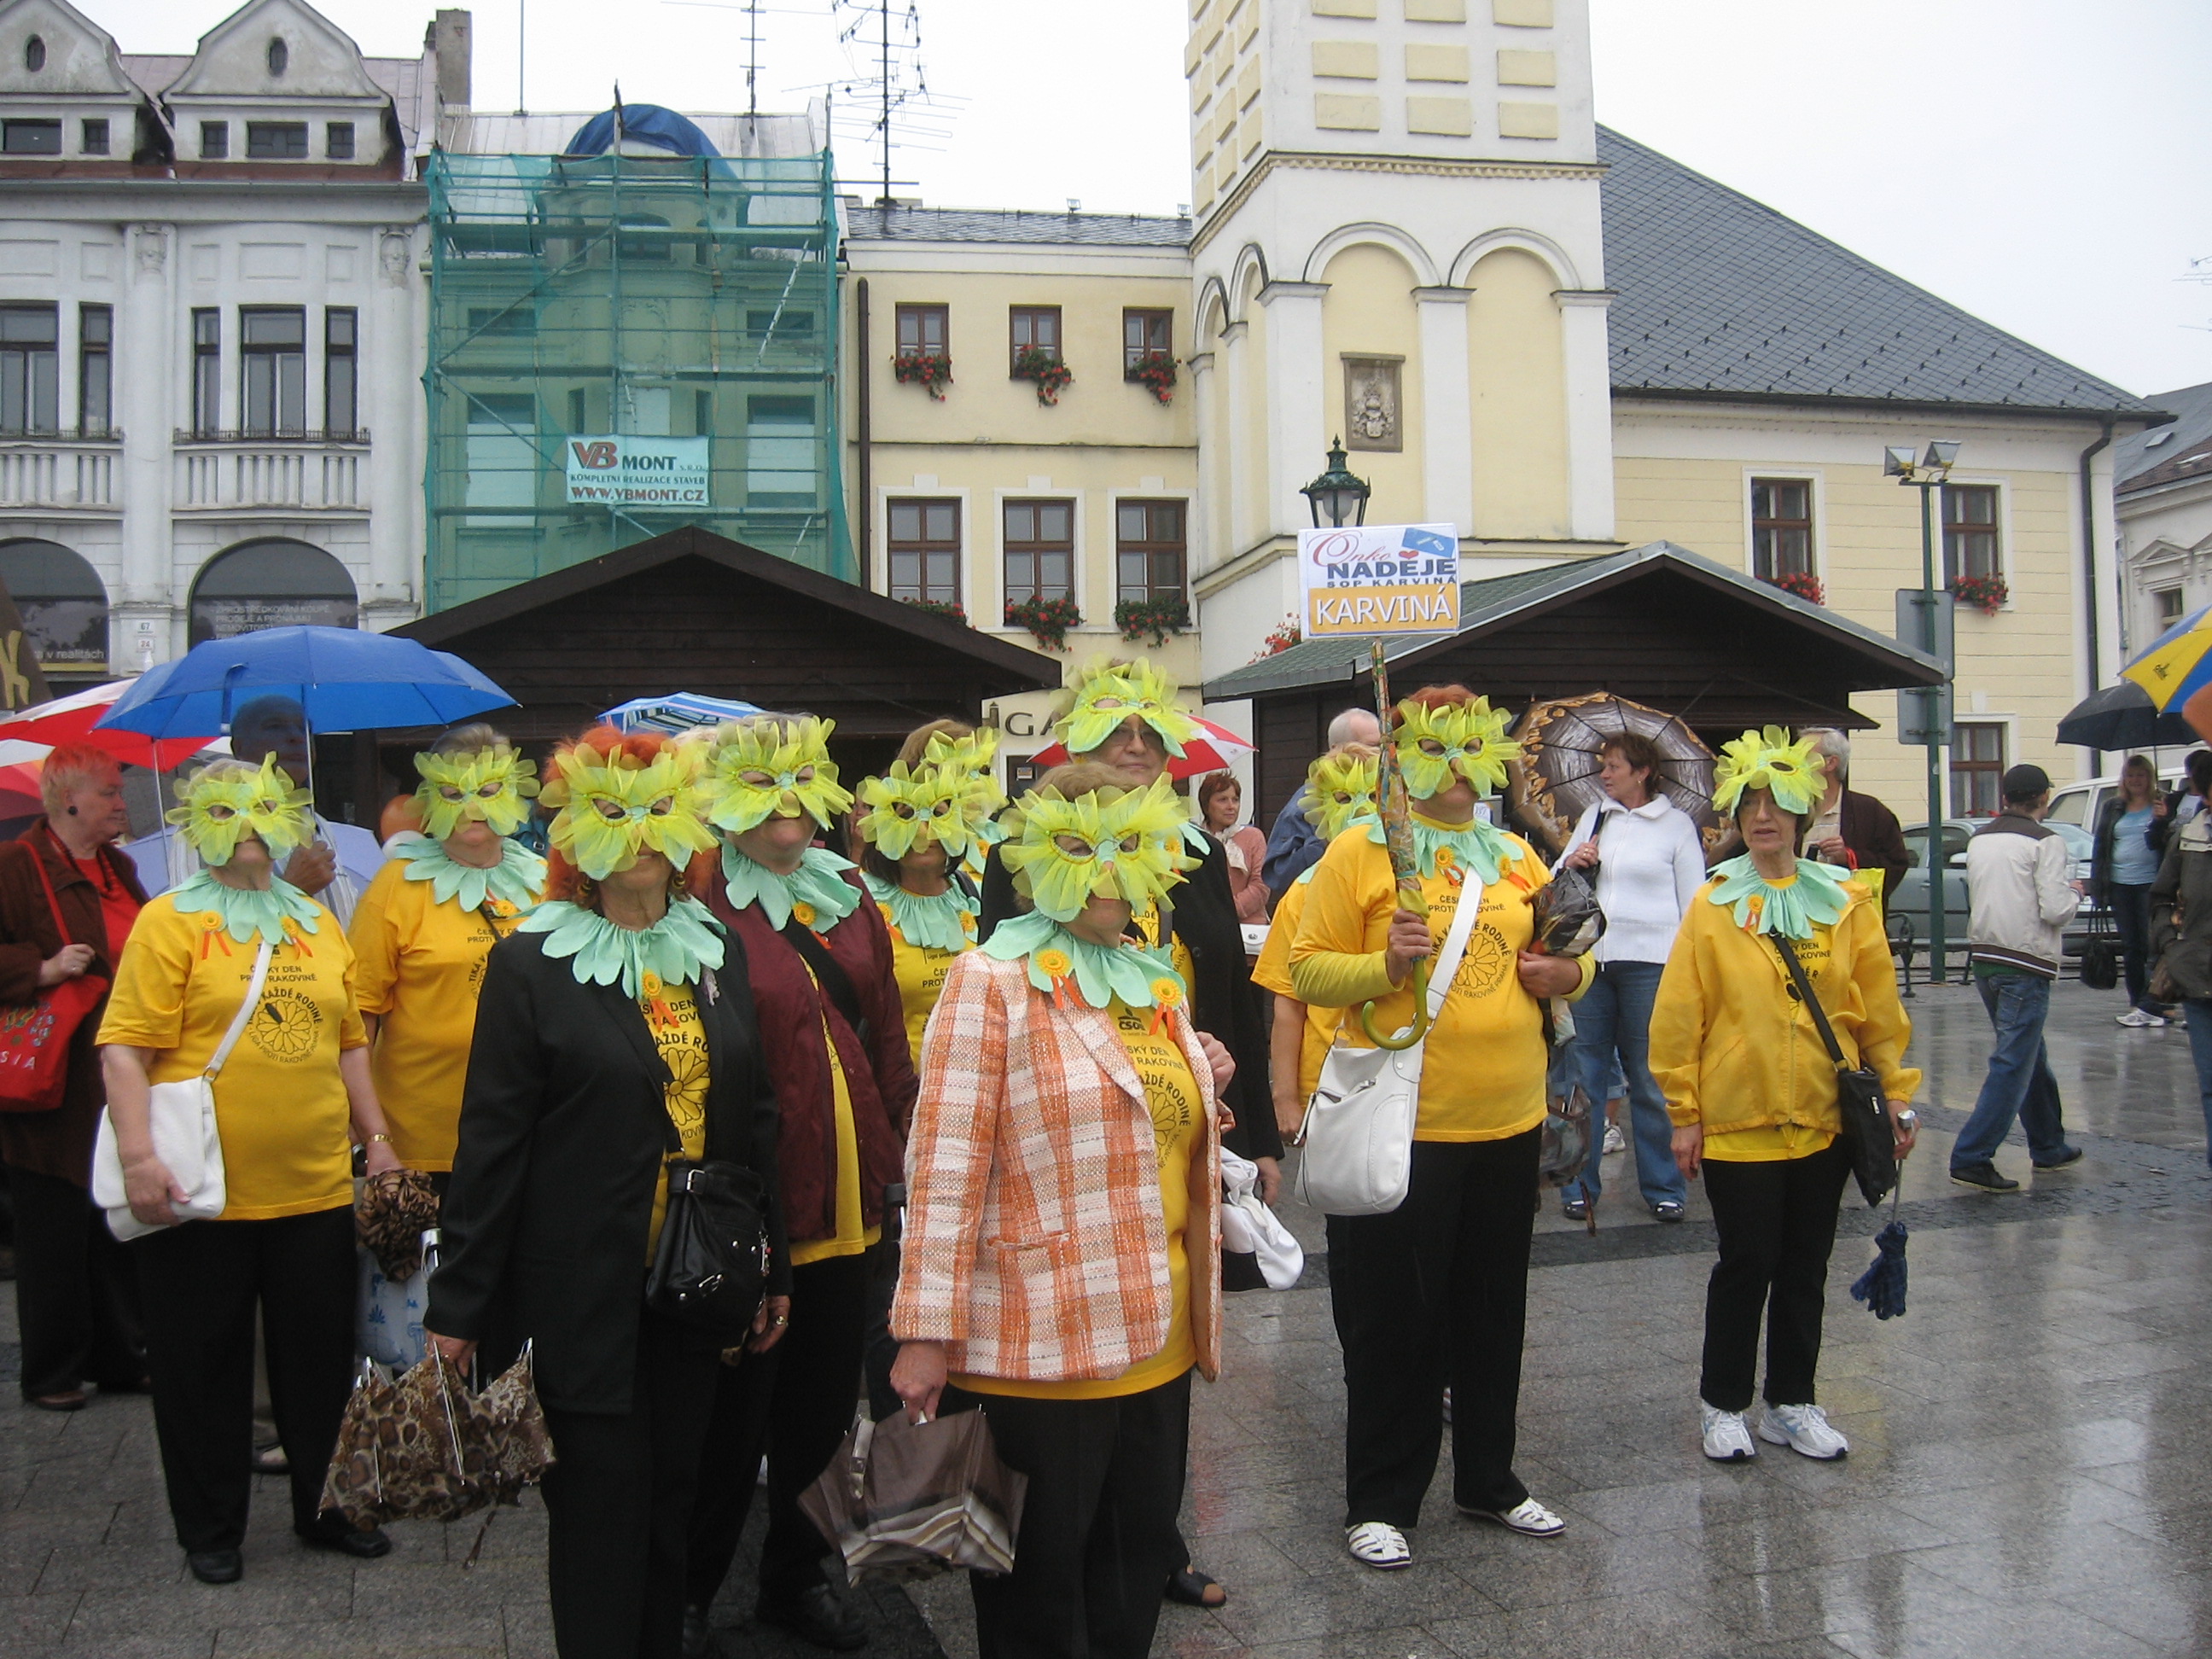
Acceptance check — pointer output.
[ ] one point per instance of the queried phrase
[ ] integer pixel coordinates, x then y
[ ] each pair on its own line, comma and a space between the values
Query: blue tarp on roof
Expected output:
646, 123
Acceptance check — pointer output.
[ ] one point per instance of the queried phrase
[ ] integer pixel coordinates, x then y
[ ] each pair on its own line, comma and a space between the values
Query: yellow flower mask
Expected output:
905, 809
1339, 793
971, 757
221, 803
613, 808
1110, 843
1107, 693
1767, 760
1469, 738
757, 770
490, 784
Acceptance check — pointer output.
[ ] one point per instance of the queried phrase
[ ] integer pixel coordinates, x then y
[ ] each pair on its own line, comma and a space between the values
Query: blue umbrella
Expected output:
677, 712
344, 679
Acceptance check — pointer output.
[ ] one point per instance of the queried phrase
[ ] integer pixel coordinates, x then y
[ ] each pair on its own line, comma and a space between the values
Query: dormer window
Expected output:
338, 141
94, 134
280, 56
35, 54
30, 137
215, 141
277, 141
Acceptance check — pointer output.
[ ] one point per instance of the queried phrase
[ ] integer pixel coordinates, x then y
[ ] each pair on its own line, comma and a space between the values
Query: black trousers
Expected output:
1778, 1226
76, 1291
201, 1283
618, 1504
1098, 1534
1436, 1293
795, 1402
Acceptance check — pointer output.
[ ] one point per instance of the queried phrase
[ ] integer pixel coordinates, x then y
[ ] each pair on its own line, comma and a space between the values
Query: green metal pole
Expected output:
1935, 917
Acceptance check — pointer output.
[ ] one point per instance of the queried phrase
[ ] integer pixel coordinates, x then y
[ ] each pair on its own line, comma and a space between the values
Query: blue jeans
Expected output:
2200, 1049
1614, 1017
2020, 1084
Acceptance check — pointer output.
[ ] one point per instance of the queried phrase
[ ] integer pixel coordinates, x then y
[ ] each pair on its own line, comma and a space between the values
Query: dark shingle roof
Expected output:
2138, 463
928, 224
1722, 296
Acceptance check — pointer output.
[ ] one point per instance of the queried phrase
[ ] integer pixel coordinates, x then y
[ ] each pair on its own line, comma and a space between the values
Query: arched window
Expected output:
62, 601
35, 54
270, 584
280, 56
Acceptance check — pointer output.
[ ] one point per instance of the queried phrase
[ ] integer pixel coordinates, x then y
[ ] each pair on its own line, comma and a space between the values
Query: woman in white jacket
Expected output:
1649, 863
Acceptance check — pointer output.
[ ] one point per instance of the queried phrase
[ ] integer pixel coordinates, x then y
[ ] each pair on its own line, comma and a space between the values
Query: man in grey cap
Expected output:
2022, 894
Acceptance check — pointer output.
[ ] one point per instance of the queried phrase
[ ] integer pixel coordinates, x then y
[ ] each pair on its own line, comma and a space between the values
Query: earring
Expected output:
72, 811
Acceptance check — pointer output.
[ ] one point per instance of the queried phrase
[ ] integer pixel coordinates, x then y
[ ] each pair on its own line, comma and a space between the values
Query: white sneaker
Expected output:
2135, 1017
1804, 1430
1615, 1140
1728, 1437
1528, 1517
1378, 1544
2149, 1018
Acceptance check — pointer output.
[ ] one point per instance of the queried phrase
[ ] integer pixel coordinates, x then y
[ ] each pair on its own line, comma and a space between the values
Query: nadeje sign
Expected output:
1379, 578
635, 472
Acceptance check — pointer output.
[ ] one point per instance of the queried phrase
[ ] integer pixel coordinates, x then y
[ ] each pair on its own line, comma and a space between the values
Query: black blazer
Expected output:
1224, 1001
564, 1125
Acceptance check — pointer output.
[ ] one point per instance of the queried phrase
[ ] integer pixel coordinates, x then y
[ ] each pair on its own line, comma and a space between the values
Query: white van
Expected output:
2079, 804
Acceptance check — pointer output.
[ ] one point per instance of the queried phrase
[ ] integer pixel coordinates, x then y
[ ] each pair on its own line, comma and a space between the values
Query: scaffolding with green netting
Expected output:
620, 346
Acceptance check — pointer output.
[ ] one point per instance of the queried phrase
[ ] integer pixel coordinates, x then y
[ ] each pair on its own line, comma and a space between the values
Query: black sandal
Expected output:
1189, 1587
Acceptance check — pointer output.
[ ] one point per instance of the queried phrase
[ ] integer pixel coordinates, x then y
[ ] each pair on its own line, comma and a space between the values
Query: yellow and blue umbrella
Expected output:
2177, 664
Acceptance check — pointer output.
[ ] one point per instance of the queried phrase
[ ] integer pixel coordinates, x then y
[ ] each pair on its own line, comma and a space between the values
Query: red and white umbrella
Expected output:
71, 719
1212, 751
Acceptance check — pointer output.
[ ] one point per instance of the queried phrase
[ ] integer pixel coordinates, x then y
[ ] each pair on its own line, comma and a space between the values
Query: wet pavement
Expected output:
2029, 1474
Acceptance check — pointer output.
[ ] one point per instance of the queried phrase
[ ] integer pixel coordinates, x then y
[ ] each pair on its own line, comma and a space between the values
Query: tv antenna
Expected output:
893, 108
754, 11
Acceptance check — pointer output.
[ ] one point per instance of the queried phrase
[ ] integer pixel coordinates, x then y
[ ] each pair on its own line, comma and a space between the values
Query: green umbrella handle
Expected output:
1420, 1026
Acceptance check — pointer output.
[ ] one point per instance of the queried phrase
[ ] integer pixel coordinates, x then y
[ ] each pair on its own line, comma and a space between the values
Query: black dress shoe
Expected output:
361, 1545
696, 1640
216, 1566
815, 1615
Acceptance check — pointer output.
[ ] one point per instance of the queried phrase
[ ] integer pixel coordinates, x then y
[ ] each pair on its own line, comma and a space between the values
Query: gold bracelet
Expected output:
386, 1140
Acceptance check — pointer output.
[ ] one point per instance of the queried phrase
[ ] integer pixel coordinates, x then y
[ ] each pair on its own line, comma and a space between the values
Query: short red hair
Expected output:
563, 880
1437, 697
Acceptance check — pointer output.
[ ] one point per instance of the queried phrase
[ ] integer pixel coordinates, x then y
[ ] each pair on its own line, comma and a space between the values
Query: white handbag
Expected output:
1358, 1128
1249, 1228
180, 1118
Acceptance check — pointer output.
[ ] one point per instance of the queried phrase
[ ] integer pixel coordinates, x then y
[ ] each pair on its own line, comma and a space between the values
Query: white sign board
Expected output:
1363, 579
635, 472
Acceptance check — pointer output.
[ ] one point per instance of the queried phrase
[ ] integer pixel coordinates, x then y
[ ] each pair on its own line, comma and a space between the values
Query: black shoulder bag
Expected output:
710, 1269
1860, 1102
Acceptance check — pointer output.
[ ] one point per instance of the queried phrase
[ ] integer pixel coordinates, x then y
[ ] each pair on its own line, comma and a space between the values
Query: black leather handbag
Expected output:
711, 1268
1860, 1102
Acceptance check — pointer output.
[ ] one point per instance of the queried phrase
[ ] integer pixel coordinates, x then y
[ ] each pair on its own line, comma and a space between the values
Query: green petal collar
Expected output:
817, 883
1816, 896
516, 880
677, 948
1475, 845
249, 915
932, 921
1099, 972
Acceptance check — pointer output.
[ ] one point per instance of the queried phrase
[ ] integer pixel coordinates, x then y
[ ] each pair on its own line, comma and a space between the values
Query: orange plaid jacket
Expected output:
1035, 1248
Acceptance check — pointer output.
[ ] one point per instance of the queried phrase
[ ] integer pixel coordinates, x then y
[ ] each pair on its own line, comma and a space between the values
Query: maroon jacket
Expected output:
878, 1075
58, 1143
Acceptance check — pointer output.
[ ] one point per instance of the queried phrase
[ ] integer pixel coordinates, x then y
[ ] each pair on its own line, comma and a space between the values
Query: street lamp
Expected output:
1928, 473
1336, 492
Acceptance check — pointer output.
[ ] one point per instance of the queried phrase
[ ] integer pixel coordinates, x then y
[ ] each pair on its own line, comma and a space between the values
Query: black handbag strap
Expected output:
836, 984
1805, 993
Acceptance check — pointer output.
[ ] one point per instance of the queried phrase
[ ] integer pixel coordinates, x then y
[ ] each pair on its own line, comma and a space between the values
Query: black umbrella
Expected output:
1561, 743
2123, 716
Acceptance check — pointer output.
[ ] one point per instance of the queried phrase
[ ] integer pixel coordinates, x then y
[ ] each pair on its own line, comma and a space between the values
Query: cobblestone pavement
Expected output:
2029, 1474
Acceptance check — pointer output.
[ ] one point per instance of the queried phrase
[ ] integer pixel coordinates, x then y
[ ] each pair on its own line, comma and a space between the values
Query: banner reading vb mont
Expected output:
633, 471
1379, 578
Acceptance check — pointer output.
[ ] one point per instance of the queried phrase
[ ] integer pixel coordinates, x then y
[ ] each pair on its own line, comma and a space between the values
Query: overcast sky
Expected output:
2044, 163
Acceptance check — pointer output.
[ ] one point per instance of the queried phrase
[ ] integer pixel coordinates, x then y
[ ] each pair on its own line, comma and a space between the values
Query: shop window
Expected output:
1969, 532
924, 545
1782, 527
273, 347
62, 600
1977, 765
1040, 551
30, 369
95, 378
1149, 552
923, 331
275, 583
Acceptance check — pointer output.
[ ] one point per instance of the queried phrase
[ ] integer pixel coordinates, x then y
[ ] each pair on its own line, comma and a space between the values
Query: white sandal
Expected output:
1378, 1544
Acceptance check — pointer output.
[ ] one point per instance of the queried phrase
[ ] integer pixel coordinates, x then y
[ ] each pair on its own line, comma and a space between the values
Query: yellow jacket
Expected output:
1732, 1049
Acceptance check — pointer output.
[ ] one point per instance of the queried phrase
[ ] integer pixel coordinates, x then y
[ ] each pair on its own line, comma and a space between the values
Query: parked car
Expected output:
1911, 899
2078, 804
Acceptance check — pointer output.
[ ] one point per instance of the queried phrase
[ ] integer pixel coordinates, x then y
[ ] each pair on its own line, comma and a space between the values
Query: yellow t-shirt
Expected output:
1273, 973
1482, 1077
1171, 1094
419, 966
920, 971
1148, 924
671, 1013
280, 1105
850, 1239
